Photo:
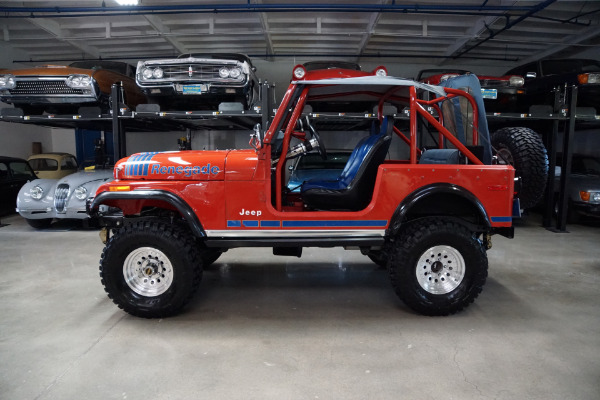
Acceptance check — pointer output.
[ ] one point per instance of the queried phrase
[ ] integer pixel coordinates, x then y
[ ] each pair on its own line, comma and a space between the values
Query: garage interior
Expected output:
328, 324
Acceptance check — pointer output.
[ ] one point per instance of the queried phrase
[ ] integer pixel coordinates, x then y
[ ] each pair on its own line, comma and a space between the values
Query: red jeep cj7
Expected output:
418, 195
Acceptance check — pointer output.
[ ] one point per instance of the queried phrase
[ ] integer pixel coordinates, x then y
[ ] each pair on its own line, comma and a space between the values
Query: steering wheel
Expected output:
315, 134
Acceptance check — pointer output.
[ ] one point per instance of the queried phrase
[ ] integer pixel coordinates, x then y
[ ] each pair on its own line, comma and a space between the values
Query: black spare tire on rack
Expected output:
523, 149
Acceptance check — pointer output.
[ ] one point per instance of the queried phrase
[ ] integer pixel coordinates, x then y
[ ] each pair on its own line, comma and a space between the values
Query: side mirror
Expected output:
531, 75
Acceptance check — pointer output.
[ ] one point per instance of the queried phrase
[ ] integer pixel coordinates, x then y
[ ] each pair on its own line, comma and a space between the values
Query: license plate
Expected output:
489, 93
192, 89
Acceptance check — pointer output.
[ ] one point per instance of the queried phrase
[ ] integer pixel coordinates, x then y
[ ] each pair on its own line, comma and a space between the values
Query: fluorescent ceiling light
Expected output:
127, 2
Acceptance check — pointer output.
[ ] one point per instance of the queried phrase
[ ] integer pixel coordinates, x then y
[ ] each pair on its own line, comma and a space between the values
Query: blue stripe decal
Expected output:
501, 219
147, 165
270, 224
335, 224
251, 224
234, 224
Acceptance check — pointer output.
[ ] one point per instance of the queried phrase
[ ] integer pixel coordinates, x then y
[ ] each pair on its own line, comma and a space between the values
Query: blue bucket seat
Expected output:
353, 189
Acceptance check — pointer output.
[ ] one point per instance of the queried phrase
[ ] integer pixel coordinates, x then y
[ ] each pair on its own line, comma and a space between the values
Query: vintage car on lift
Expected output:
199, 81
53, 165
426, 214
60, 89
584, 186
14, 173
500, 93
543, 76
41, 201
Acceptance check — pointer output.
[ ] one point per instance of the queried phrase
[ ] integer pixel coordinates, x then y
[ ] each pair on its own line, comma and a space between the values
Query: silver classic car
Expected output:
199, 81
42, 200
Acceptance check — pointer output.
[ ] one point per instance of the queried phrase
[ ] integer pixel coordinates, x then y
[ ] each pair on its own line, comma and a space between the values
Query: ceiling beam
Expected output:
54, 29
588, 33
164, 32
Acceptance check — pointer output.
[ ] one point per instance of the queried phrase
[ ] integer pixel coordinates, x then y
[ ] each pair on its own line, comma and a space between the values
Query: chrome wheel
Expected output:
440, 269
148, 271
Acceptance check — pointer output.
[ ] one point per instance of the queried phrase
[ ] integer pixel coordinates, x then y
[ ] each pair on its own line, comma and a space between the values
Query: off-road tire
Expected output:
523, 149
39, 223
151, 269
437, 266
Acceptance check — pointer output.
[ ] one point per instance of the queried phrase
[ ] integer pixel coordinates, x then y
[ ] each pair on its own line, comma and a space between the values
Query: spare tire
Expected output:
523, 149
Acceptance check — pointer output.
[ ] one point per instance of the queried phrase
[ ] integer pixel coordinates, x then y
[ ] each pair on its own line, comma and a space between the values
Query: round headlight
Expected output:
158, 73
299, 72
381, 71
235, 73
36, 192
223, 72
516, 81
80, 193
147, 73
7, 82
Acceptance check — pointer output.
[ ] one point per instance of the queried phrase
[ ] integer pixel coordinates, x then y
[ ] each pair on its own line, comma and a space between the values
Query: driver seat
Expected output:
353, 189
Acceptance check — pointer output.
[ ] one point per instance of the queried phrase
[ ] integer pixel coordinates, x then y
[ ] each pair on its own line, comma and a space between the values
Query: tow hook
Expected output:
487, 241
104, 234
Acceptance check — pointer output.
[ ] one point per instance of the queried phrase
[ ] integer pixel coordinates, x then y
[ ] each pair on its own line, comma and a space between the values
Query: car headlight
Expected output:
147, 73
7, 81
588, 78
79, 81
80, 193
223, 72
235, 73
516, 81
36, 192
158, 73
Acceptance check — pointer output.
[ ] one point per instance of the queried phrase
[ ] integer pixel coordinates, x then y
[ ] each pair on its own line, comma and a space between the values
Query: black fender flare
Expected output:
184, 209
437, 188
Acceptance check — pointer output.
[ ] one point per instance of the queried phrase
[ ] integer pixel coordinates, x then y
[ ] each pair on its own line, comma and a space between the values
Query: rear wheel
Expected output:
151, 269
437, 266
523, 149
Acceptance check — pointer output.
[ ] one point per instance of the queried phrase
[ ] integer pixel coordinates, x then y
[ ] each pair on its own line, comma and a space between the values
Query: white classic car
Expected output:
42, 200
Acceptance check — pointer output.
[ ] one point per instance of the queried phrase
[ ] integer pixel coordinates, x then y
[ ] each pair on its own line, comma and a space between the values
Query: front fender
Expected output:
175, 201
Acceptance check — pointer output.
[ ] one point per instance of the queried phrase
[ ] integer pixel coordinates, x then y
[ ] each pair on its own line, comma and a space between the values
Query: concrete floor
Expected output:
326, 326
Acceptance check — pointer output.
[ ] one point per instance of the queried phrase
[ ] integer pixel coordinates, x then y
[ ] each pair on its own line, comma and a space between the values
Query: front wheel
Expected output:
151, 269
437, 266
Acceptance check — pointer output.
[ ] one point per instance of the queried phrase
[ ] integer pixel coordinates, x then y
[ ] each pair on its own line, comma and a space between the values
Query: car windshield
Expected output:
586, 165
119, 67
44, 164
551, 67
315, 161
21, 170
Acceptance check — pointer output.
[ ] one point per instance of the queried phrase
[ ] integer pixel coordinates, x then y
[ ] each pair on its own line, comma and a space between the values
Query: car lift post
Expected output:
551, 148
568, 139
119, 143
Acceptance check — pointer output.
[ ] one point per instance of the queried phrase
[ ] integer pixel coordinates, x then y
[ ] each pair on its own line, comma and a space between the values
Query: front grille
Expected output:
43, 87
61, 196
495, 82
199, 72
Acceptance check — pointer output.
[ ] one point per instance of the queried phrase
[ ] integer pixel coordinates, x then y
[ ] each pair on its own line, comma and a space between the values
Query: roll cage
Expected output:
423, 102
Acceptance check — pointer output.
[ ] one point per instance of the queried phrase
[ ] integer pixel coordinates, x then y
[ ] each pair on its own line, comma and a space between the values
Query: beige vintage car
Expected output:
53, 165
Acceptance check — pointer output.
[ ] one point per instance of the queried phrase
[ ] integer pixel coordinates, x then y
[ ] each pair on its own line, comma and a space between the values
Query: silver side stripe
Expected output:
374, 233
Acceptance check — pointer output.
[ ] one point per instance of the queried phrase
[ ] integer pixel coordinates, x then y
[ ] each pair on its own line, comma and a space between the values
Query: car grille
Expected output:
199, 72
61, 195
494, 82
43, 87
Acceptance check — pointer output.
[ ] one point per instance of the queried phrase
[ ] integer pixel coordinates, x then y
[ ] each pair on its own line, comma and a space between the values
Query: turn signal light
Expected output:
119, 188
585, 196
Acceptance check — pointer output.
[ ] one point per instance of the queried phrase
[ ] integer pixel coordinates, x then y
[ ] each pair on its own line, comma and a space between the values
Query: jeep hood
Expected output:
185, 165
